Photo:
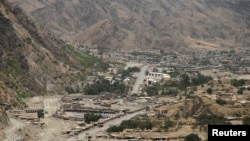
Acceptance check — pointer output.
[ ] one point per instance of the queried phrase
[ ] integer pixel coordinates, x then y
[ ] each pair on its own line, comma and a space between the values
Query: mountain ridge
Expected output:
145, 24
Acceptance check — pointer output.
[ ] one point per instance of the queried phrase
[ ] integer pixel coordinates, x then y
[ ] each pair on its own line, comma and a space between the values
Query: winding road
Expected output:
117, 121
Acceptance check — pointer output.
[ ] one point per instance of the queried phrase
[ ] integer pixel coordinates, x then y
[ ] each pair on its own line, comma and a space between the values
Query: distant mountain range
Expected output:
146, 24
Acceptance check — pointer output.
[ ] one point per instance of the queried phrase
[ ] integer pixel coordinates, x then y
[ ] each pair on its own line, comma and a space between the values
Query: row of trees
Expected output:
186, 81
131, 124
237, 83
90, 117
154, 90
240, 90
104, 86
205, 119
129, 71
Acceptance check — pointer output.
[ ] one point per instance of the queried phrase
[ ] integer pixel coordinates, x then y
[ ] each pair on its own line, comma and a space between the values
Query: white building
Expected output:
155, 77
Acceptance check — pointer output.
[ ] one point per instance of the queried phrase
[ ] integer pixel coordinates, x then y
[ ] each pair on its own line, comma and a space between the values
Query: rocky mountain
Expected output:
146, 24
32, 60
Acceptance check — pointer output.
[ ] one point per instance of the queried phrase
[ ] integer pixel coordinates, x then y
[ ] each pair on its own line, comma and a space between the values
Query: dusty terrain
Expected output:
184, 108
53, 127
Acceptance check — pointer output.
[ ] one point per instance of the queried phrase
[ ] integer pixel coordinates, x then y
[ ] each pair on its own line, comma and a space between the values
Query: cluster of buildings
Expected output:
236, 61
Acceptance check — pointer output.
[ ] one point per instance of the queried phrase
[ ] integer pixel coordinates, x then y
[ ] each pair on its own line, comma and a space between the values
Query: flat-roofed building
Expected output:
155, 77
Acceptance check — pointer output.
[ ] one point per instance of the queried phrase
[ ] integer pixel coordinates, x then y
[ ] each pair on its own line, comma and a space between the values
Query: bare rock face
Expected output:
147, 24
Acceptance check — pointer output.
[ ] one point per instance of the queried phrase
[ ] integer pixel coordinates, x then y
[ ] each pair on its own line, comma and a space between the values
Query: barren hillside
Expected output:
147, 24
32, 60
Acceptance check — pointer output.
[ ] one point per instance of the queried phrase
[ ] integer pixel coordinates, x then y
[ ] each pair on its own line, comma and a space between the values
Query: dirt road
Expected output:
95, 130
10, 132
139, 80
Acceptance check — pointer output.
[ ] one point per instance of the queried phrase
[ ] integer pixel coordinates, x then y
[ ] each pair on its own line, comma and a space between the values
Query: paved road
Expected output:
93, 131
10, 132
139, 80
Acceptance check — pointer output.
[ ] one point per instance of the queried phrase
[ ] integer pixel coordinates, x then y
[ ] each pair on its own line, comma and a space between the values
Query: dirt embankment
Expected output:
4, 122
203, 105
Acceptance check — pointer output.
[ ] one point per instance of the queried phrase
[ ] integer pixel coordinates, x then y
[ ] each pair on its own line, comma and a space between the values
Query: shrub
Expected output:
209, 91
205, 119
192, 137
91, 117
221, 101
40, 114
237, 83
240, 91
246, 120
168, 124
70, 90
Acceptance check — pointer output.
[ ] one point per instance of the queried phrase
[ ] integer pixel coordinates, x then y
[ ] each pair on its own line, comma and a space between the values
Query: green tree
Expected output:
192, 137
90, 117
246, 120
133, 69
240, 91
237, 83
70, 90
152, 90
185, 81
132, 124
209, 90
205, 119
145, 125
40, 114
248, 88
168, 124
200, 79
221, 101
115, 128
104, 86
125, 73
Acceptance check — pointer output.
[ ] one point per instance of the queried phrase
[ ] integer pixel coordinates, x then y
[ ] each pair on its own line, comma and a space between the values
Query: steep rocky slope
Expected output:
4, 122
32, 60
147, 24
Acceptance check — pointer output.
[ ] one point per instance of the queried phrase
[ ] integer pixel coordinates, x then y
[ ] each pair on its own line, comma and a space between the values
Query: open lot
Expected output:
51, 104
